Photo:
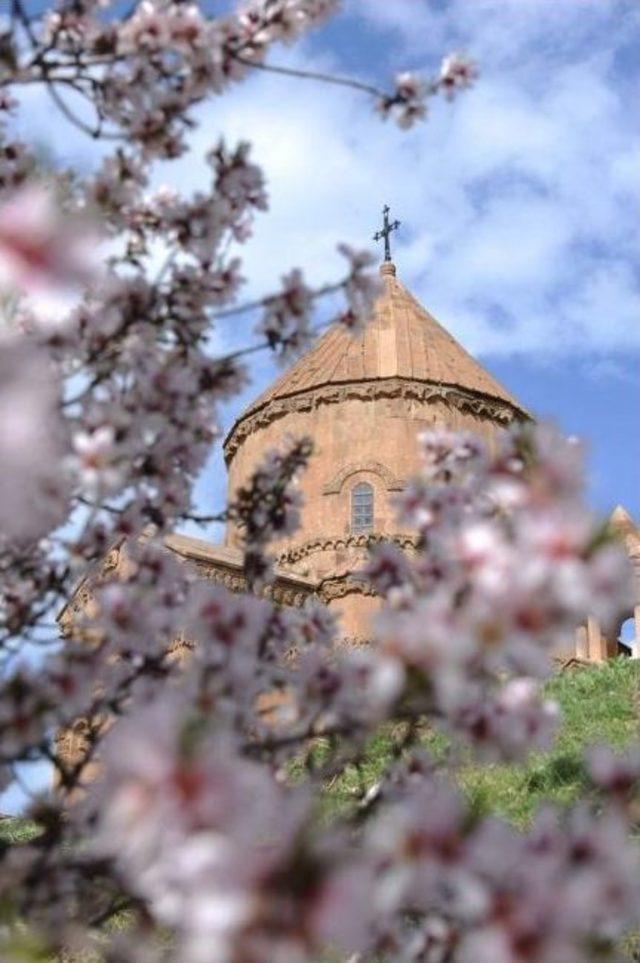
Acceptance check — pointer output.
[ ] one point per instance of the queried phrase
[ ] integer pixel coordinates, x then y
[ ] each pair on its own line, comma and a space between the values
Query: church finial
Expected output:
387, 228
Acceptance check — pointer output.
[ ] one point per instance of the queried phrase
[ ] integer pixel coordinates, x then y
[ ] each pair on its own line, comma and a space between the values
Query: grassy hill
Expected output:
598, 704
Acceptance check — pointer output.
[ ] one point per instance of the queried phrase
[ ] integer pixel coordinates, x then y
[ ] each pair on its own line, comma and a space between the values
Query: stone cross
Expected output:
386, 231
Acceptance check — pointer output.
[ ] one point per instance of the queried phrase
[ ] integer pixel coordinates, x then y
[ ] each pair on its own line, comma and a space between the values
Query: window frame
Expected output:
361, 508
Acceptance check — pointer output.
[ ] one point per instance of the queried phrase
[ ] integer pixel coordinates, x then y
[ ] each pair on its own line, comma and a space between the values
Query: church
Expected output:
363, 398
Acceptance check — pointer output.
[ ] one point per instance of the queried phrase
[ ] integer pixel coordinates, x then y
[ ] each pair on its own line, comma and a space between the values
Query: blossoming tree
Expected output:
202, 833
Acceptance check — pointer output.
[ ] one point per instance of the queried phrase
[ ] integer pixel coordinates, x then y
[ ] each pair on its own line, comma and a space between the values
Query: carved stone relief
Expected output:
391, 481
340, 543
338, 586
483, 406
280, 591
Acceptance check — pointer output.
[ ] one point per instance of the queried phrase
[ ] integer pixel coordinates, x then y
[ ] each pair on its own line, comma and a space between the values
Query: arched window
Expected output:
361, 508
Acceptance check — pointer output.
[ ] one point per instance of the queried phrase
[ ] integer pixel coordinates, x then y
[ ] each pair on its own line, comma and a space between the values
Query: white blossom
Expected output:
458, 72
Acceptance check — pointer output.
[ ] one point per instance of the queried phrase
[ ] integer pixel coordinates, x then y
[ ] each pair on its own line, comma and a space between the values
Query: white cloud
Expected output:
518, 201
512, 203
497, 31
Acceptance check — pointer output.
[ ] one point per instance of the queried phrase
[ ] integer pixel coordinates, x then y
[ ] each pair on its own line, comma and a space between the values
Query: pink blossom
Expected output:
407, 104
17, 163
361, 288
615, 773
33, 491
458, 72
178, 819
286, 320
40, 249
96, 459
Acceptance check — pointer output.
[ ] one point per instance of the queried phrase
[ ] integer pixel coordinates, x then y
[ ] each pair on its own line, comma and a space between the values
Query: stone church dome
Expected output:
402, 340
363, 398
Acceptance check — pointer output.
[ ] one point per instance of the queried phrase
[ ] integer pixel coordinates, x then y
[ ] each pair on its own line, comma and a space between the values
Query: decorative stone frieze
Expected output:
483, 406
296, 553
338, 586
279, 591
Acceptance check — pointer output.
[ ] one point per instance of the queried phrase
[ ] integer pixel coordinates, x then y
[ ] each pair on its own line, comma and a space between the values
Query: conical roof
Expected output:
402, 340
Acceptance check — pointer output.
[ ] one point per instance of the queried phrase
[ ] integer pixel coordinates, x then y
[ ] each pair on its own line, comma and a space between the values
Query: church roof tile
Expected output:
402, 340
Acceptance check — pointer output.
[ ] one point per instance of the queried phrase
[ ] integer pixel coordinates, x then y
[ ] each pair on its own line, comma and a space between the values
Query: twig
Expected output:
19, 13
312, 75
96, 133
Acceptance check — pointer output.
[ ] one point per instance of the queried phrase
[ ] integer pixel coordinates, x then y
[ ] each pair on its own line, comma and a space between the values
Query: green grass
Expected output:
598, 704
13, 829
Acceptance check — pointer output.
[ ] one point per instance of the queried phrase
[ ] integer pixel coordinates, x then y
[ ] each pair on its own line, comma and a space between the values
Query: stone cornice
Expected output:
478, 403
210, 554
283, 591
296, 553
224, 565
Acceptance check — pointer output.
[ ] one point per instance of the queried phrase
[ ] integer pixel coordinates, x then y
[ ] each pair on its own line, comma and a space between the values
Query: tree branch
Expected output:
316, 75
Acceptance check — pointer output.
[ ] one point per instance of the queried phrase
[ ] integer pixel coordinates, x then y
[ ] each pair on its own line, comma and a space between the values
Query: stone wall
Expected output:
364, 432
